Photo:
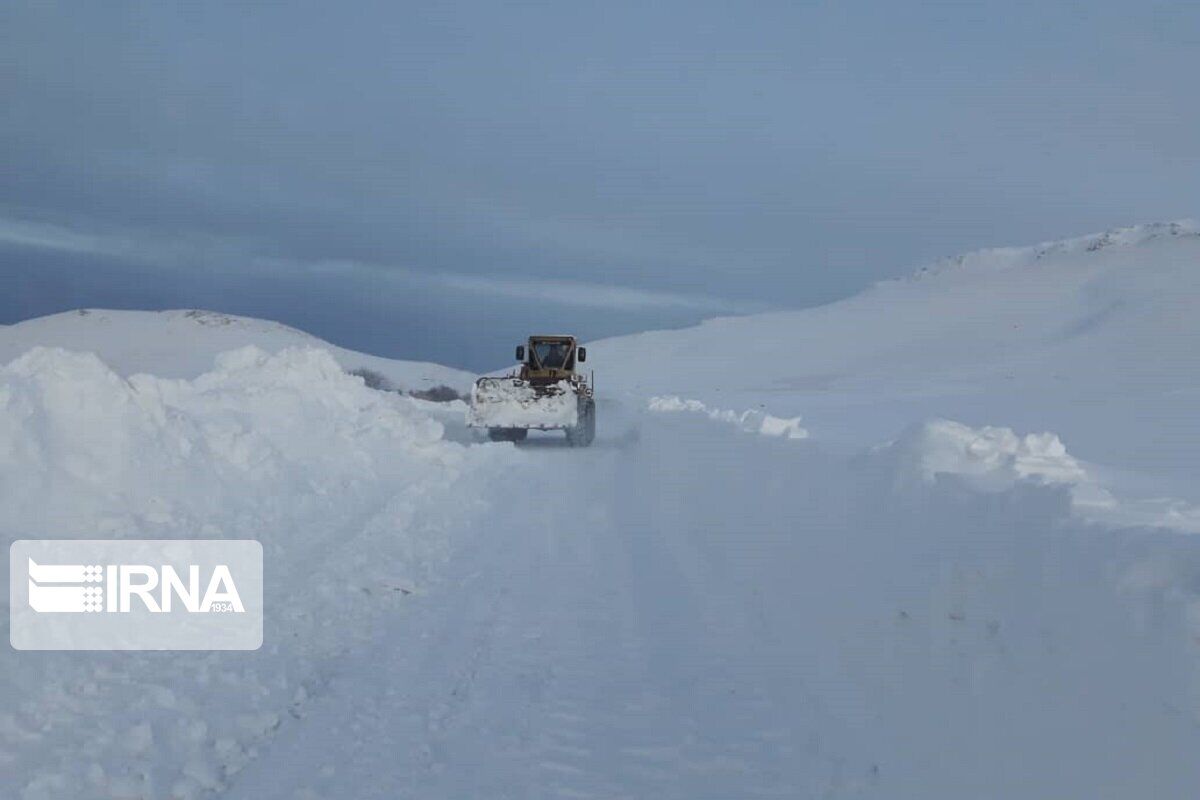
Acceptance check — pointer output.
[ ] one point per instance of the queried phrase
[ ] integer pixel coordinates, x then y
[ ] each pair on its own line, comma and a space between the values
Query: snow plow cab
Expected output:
547, 393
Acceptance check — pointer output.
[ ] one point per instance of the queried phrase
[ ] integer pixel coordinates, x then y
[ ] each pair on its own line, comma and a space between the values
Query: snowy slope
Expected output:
1095, 339
183, 343
1017, 314
1112, 317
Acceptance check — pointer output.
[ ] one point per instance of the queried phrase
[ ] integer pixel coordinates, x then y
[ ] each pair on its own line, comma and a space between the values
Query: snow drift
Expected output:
752, 420
991, 458
352, 493
83, 444
183, 344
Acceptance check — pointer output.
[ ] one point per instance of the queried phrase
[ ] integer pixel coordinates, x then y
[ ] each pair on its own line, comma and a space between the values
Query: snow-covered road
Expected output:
652, 618
586, 645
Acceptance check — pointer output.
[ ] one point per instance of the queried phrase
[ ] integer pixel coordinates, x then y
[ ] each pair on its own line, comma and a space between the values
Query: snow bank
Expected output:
1093, 337
511, 403
989, 458
751, 420
183, 343
352, 492
993, 459
83, 447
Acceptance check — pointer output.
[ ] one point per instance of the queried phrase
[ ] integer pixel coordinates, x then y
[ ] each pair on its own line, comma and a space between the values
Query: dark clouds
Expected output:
702, 157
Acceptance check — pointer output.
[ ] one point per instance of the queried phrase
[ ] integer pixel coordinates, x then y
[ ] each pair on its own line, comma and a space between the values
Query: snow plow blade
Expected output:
515, 403
548, 393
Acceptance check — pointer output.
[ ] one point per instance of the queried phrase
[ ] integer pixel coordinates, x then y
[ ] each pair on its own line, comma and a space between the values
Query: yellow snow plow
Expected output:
546, 393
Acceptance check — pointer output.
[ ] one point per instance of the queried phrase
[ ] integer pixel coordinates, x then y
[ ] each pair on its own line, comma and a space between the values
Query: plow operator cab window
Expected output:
552, 355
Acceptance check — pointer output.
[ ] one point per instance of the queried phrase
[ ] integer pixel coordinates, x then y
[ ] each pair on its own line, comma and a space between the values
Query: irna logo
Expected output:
135, 594
83, 588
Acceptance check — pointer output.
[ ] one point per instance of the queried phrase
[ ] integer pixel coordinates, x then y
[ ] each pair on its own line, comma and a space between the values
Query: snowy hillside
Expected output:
925, 542
1113, 314
1095, 339
183, 344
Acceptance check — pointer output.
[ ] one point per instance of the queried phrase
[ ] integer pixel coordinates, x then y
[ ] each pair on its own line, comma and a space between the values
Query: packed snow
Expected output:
971, 578
994, 459
751, 420
990, 457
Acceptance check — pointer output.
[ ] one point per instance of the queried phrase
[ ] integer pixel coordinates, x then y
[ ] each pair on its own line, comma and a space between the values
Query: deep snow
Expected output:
1095, 340
349, 490
930, 588
183, 344
1063, 336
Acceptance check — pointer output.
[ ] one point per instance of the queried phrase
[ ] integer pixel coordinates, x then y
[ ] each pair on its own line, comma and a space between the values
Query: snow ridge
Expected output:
182, 343
995, 459
751, 420
1000, 257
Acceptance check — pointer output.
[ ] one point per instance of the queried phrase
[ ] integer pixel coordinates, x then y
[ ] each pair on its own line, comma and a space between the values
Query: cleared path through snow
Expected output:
685, 610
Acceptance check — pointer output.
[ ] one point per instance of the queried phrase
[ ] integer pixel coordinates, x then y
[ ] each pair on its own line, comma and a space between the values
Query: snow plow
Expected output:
547, 393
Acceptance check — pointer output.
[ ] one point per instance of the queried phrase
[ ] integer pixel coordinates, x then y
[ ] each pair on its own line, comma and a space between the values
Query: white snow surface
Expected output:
997, 457
994, 459
751, 420
504, 402
286, 448
968, 579
1095, 339
183, 343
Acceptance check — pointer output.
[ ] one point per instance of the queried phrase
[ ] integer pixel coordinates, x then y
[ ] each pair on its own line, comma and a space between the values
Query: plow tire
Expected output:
585, 430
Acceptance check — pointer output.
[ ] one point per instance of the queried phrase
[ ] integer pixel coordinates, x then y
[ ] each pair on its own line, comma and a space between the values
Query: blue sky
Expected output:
433, 180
